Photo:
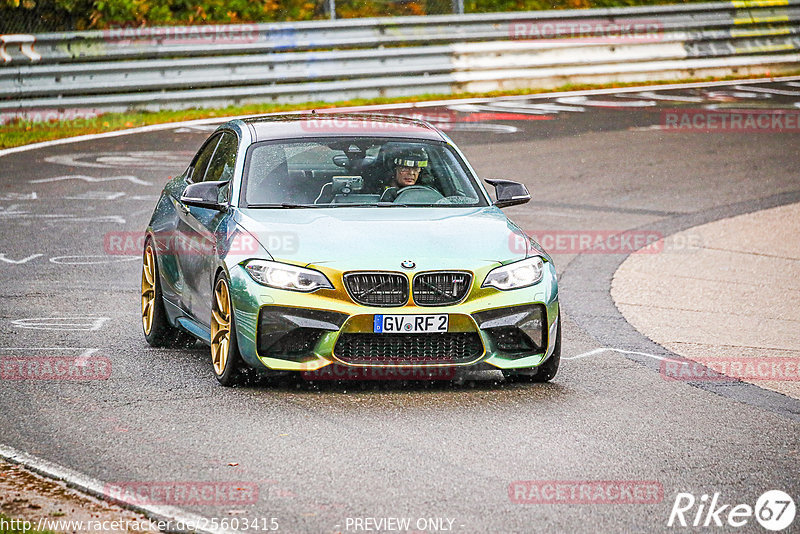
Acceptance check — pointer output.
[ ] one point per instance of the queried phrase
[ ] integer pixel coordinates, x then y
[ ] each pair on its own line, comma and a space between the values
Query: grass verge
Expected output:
19, 132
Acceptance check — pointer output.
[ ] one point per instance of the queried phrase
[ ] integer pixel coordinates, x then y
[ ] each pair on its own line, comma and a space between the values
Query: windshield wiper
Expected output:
286, 205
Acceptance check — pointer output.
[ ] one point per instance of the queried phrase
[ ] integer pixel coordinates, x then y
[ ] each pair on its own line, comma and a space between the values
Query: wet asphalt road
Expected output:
322, 453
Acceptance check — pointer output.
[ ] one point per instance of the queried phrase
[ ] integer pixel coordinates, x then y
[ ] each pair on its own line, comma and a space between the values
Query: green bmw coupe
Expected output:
319, 241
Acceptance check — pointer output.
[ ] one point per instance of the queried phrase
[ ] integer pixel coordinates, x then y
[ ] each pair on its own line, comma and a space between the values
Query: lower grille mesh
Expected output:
453, 347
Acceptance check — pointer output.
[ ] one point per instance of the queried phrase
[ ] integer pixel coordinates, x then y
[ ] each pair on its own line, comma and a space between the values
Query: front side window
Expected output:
223, 160
203, 157
357, 171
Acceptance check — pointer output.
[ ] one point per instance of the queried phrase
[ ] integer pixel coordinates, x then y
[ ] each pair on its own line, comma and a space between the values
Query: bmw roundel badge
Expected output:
408, 264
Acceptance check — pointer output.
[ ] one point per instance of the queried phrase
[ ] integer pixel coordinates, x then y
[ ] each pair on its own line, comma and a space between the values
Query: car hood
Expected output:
382, 238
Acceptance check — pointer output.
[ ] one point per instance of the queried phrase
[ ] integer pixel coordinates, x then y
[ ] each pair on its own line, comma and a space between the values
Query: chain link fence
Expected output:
36, 17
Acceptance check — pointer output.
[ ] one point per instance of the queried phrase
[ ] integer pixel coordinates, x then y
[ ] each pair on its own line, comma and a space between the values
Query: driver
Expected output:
407, 167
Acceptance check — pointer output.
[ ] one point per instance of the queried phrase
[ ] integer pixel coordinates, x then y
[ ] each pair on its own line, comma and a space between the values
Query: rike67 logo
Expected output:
774, 510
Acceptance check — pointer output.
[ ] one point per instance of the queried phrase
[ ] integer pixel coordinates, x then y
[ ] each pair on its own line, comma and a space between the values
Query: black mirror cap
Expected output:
204, 195
509, 193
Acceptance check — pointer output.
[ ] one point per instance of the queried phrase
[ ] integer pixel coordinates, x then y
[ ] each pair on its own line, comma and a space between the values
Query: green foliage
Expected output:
347, 9
31, 16
492, 6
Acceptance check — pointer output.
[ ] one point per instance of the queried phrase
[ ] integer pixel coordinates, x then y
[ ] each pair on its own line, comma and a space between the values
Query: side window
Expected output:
202, 159
223, 160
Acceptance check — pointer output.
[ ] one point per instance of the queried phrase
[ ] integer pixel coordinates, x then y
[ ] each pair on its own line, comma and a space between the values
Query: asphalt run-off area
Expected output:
688, 176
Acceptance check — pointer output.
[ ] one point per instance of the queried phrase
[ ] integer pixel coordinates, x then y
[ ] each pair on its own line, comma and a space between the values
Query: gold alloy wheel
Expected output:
220, 326
148, 289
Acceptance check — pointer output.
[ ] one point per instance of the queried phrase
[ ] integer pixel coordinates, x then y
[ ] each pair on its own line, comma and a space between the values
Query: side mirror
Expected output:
509, 193
204, 195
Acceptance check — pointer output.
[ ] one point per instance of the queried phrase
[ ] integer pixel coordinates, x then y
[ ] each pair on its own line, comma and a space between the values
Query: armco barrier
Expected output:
333, 60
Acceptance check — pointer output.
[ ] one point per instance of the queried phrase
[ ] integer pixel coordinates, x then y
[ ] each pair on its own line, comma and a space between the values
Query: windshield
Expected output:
357, 171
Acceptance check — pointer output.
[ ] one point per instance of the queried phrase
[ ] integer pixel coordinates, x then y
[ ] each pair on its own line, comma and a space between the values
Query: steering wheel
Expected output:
418, 194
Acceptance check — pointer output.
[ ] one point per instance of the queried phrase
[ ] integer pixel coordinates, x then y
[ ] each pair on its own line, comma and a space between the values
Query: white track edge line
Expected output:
378, 107
96, 488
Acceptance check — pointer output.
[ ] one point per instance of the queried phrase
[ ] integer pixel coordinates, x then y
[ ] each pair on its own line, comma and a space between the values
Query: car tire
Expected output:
544, 372
226, 361
155, 325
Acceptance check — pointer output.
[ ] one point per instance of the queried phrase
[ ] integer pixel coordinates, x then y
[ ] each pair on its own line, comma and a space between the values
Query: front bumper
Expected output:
291, 331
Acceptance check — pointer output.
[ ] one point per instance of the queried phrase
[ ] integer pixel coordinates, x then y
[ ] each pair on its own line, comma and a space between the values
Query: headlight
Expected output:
285, 276
515, 275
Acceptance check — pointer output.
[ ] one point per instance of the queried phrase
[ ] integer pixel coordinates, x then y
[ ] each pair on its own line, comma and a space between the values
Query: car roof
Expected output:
300, 125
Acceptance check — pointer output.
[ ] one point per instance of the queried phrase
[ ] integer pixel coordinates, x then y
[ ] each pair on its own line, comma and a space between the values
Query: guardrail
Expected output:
336, 60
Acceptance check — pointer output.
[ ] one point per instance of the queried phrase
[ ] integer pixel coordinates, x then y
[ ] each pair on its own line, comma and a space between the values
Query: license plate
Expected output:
410, 324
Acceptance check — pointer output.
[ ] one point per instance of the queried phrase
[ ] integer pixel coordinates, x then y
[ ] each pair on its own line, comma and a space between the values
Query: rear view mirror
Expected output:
340, 160
509, 193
